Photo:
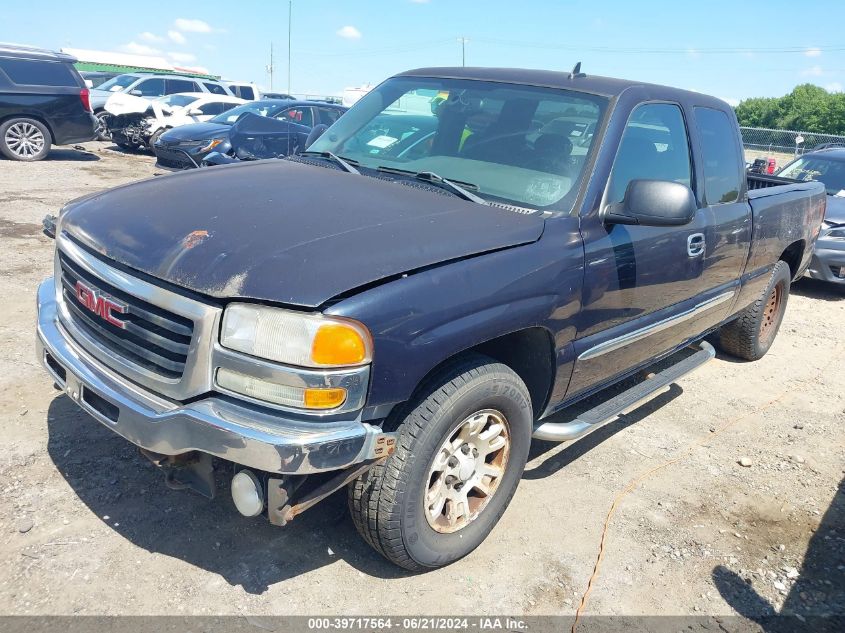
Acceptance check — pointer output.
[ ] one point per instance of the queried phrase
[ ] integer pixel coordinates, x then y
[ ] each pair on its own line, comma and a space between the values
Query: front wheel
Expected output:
459, 456
752, 333
102, 128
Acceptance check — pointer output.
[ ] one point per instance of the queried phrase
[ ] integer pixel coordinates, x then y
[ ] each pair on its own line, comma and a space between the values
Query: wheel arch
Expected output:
529, 352
793, 255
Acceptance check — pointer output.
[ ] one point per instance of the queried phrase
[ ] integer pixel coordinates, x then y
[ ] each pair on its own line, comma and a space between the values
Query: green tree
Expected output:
808, 108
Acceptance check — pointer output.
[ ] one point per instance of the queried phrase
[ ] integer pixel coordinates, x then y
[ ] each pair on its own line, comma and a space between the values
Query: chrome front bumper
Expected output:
270, 441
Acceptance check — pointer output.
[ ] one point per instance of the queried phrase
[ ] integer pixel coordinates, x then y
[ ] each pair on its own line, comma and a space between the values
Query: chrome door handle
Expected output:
695, 244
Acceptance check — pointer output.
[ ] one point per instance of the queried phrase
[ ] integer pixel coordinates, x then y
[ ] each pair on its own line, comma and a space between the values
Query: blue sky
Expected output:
732, 49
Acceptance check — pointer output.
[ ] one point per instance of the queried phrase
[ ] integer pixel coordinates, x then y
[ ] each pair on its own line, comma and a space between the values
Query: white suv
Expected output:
150, 86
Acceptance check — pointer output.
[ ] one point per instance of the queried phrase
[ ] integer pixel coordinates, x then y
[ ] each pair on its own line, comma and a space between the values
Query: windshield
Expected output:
177, 100
521, 144
261, 108
827, 171
116, 84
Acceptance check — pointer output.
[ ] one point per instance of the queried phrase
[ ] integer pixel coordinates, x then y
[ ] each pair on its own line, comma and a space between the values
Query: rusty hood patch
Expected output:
285, 232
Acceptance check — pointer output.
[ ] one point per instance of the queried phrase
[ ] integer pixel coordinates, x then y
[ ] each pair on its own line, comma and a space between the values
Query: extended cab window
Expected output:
722, 170
27, 72
654, 146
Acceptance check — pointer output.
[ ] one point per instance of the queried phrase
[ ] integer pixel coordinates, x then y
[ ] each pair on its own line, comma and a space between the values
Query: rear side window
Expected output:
654, 146
181, 85
302, 116
215, 108
722, 170
214, 88
28, 72
244, 92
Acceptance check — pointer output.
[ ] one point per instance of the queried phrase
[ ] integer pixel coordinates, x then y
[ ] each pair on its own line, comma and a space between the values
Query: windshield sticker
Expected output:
382, 141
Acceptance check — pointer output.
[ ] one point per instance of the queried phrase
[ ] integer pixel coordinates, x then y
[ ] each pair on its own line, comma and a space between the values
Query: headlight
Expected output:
294, 338
211, 144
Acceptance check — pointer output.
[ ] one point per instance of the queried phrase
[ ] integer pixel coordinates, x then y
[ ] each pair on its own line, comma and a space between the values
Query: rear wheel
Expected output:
751, 335
459, 456
24, 139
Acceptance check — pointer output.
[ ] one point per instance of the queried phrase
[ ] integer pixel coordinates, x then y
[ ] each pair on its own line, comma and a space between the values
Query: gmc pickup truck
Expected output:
464, 255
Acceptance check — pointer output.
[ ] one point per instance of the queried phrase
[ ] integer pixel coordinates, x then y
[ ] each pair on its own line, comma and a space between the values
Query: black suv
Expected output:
43, 101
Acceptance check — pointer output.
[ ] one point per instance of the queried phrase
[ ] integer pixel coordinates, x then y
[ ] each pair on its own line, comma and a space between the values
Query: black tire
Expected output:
102, 129
751, 335
24, 139
386, 503
155, 136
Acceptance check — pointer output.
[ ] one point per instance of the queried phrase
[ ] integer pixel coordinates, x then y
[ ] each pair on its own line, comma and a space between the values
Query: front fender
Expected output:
423, 319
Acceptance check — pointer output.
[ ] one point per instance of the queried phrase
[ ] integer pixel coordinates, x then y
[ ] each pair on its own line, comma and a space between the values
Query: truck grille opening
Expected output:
100, 404
153, 338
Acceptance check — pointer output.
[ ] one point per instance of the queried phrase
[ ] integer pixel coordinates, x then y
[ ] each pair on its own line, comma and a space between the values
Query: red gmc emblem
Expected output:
101, 304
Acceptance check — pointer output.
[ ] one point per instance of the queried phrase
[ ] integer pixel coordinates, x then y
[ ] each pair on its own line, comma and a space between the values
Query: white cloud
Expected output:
834, 87
139, 49
176, 36
813, 52
184, 58
192, 26
349, 32
813, 71
150, 37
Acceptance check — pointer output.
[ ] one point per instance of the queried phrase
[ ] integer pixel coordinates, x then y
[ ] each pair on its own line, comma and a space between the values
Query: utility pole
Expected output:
290, 15
463, 42
270, 67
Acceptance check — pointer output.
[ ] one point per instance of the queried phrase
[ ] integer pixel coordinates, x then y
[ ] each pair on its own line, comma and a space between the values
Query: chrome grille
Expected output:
153, 338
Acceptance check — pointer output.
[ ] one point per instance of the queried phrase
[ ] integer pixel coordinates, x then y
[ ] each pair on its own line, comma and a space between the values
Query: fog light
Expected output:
247, 493
287, 395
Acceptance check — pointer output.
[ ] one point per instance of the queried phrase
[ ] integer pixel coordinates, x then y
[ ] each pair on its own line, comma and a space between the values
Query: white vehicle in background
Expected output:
137, 122
244, 89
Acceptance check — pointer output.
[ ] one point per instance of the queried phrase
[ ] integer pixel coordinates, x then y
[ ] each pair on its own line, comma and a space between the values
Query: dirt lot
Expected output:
87, 526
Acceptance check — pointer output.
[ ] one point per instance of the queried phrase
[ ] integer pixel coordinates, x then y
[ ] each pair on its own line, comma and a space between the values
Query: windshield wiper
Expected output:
433, 179
336, 159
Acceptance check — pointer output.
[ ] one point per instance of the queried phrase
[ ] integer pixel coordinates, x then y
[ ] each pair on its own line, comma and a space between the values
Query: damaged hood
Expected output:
122, 103
286, 232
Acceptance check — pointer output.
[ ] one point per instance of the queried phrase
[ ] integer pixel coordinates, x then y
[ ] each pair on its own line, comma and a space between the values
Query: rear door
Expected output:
727, 232
639, 279
175, 86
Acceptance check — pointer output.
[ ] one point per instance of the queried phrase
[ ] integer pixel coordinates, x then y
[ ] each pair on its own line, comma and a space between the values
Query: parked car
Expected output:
137, 122
187, 146
147, 85
828, 167
245, 90
278, 95
95, 78
406, 325
256, 137
43, 101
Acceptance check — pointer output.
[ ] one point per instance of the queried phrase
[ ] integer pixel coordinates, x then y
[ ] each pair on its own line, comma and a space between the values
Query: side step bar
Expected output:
616, 406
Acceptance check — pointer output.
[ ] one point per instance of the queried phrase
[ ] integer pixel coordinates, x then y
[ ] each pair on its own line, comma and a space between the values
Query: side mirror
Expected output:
315, 133
136, 93
195, 112
654, 203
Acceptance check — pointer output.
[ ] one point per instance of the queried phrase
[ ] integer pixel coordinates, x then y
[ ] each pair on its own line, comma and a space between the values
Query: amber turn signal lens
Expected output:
338, 345
324, 398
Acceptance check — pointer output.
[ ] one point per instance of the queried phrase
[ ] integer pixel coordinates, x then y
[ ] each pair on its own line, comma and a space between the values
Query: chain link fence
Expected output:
783, 145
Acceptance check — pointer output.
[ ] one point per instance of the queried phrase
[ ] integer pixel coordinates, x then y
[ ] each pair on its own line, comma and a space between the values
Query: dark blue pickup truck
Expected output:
460, 258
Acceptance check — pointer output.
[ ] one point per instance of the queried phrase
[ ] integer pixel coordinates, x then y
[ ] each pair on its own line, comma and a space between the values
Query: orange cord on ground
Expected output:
648, 473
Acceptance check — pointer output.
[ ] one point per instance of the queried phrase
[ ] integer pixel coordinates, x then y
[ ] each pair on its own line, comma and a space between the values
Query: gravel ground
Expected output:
87, 526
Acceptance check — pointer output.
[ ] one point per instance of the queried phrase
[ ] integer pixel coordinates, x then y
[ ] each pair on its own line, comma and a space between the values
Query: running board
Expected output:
611, 409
